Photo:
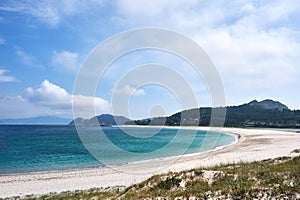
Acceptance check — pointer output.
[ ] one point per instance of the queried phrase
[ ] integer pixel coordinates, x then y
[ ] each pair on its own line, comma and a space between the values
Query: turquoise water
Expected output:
32, 148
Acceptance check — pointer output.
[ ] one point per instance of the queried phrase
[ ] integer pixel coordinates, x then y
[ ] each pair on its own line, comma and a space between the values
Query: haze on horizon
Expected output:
255, 46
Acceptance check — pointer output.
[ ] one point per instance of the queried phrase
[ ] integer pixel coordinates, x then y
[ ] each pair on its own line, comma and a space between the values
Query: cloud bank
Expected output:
128, 90
65, 61
254, 45
50, 12
6, 78
55, 97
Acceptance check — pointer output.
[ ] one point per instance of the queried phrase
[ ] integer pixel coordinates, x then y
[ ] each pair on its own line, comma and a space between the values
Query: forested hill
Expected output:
267, 113
104, 119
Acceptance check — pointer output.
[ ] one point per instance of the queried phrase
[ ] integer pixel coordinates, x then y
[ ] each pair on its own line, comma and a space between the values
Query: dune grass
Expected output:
277, 178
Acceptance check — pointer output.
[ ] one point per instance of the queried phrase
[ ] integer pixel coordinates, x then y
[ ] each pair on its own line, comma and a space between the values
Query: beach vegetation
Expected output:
296, 151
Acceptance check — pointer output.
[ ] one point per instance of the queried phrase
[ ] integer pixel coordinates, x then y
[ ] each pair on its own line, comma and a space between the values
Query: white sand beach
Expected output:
253, 145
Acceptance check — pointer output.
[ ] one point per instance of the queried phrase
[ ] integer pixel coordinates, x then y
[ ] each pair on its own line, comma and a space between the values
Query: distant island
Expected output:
101, 120
43, 120
266, 113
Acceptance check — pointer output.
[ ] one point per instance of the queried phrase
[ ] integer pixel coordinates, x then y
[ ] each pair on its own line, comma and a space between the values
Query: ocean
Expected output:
35, 148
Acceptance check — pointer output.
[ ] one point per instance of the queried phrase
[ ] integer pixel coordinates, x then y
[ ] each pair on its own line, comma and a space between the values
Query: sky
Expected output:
254, 45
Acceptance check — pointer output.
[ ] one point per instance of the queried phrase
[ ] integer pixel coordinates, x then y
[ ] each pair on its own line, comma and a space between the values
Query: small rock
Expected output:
190, 174
182, 184
210, 175
208, 193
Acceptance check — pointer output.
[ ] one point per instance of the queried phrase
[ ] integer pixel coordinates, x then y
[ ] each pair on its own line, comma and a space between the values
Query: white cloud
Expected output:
163, 13
255, 45
65, 60
253, 59
128, 90
82, 106
138, 8
49, 94
266, 15
42, 10
49, 12
19, 107
55, 97
150, 9
16, 107
2, 41
5, 78
26, 58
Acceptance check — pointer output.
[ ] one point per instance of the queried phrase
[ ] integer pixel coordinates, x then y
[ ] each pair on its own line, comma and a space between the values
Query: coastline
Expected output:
252, 145
215, 129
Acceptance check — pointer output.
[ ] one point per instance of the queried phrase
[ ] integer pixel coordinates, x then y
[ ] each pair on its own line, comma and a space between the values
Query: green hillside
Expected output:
266, 113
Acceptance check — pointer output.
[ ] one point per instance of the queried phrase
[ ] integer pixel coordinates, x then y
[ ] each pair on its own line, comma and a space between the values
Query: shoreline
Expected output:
253, 145
217, 129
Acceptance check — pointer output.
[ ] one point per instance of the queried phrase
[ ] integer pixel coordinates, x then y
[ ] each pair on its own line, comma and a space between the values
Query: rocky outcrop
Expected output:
268, 104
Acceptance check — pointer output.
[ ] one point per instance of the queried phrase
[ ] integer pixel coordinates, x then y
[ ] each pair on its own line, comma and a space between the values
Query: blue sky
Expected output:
255, 46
